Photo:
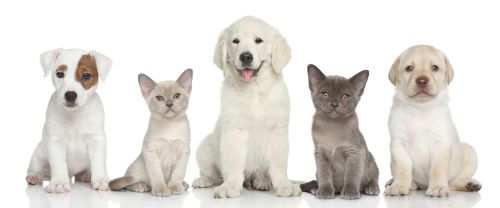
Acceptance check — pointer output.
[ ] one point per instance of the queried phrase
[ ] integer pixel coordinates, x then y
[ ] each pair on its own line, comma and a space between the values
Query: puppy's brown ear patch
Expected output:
86, 72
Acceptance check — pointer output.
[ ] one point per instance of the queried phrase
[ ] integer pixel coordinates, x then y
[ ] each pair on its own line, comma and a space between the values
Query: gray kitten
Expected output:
161, 166
343, 163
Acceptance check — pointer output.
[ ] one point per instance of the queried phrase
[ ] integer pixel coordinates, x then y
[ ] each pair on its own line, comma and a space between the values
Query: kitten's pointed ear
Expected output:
359, 81
146, 84
315, 76
186, 79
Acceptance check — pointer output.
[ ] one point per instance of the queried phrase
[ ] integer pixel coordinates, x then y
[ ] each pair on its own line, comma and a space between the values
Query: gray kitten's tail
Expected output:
309, 187
120, 183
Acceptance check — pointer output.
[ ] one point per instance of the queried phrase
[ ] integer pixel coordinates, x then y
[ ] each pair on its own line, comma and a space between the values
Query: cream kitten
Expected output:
161, 166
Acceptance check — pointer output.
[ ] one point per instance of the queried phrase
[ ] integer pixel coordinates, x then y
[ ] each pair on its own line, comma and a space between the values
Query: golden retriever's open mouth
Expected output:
248, 74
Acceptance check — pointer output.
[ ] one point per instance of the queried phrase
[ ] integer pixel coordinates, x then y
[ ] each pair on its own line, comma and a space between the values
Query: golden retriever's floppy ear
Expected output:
394, 72
449, 69
281, 53
220, 54
48, 58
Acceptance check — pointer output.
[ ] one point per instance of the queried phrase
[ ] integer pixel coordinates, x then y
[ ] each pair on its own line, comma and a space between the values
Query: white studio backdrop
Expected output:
162, 38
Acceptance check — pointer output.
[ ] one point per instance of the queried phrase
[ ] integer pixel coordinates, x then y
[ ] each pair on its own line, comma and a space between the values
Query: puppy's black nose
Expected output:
246, 58
70, 96
422, 81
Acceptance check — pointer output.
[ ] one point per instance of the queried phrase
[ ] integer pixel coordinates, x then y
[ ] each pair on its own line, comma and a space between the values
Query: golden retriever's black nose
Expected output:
70, 96
246, 58
422, 81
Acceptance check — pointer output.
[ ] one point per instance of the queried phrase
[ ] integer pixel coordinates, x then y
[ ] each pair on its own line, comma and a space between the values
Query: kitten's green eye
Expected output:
159, 98
177, 95
345, 97
325, 94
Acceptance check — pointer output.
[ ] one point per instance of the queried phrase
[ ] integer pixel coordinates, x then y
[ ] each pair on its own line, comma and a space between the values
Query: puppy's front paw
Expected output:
288, 190
203, 182
34, 179
325, 192
58, 187
438, 191
396, 189
473, 186
225, 191
177, 188
161, 191
100, 185
350, 192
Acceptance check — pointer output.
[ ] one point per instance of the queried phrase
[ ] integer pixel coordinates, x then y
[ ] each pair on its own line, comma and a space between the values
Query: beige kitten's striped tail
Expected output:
121, 183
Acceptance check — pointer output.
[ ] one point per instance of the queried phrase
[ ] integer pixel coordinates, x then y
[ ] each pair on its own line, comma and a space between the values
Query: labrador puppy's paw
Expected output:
438, 191
396, 189
227, 191
288, 190
34, 179
473, 186
58, 187
100, 185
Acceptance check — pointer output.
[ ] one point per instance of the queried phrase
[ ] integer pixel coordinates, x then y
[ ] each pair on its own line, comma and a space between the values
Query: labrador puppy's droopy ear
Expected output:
394, 72
103, 64
48, 58
449, 69
220, 54
281, 53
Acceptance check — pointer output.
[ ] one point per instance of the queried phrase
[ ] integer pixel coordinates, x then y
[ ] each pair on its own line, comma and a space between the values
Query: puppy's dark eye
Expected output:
409, 68
325, 94
258, 41
86, 76
435, 68
159, 98
345, 96
177, 95
60, 74
236, 41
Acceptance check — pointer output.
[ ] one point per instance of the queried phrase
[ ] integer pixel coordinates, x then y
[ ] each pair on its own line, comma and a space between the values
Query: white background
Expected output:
162, 38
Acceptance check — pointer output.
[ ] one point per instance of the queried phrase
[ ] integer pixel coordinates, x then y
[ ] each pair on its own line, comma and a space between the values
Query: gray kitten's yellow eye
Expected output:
345, 97
159, 98
177, 95
325, 94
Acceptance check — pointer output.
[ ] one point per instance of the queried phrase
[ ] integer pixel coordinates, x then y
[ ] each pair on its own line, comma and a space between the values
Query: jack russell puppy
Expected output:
73, 139
426, 152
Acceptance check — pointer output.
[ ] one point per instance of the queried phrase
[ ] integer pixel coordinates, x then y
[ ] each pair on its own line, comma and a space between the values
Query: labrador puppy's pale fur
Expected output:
426, 152
250, 140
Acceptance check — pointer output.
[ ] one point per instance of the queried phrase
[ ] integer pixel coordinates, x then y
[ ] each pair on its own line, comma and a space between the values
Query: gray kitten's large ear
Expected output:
220, 54
359, 81
315, 76
47, 60
146, 84
281, 53
103, 64
186, 79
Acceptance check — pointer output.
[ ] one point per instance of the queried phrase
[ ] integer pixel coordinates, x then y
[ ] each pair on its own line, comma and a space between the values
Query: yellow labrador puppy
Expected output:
426, 152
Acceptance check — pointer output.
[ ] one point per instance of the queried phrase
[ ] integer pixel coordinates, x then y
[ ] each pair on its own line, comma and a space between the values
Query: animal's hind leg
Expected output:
38, 169
205, 156
464, 180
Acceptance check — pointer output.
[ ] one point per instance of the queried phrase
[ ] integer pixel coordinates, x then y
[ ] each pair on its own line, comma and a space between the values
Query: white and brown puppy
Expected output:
426, 152
250, 140
73, 140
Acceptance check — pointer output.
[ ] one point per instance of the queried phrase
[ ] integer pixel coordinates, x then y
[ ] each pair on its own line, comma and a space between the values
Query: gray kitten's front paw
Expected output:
325, 192
161, 191
350, 192
372, 189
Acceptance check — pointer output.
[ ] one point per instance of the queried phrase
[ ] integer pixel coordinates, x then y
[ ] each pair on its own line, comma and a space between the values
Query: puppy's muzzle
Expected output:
422, 81
246, 59
70, 97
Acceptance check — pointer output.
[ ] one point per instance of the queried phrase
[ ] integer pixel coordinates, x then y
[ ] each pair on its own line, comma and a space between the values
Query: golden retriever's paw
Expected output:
34, 179
438, 191
58, 187
225, 191
100, 185
288, 190
161, 191
396, 190
473, 186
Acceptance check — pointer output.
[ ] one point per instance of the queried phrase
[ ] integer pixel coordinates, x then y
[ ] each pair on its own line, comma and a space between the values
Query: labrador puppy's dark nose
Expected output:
422, 81
70, 96
246, 58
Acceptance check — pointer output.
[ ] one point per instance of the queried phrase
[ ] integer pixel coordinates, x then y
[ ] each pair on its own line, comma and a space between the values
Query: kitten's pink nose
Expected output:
170, 104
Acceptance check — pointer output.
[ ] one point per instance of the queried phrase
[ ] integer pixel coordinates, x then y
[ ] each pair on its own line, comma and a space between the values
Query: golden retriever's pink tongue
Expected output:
246, 74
